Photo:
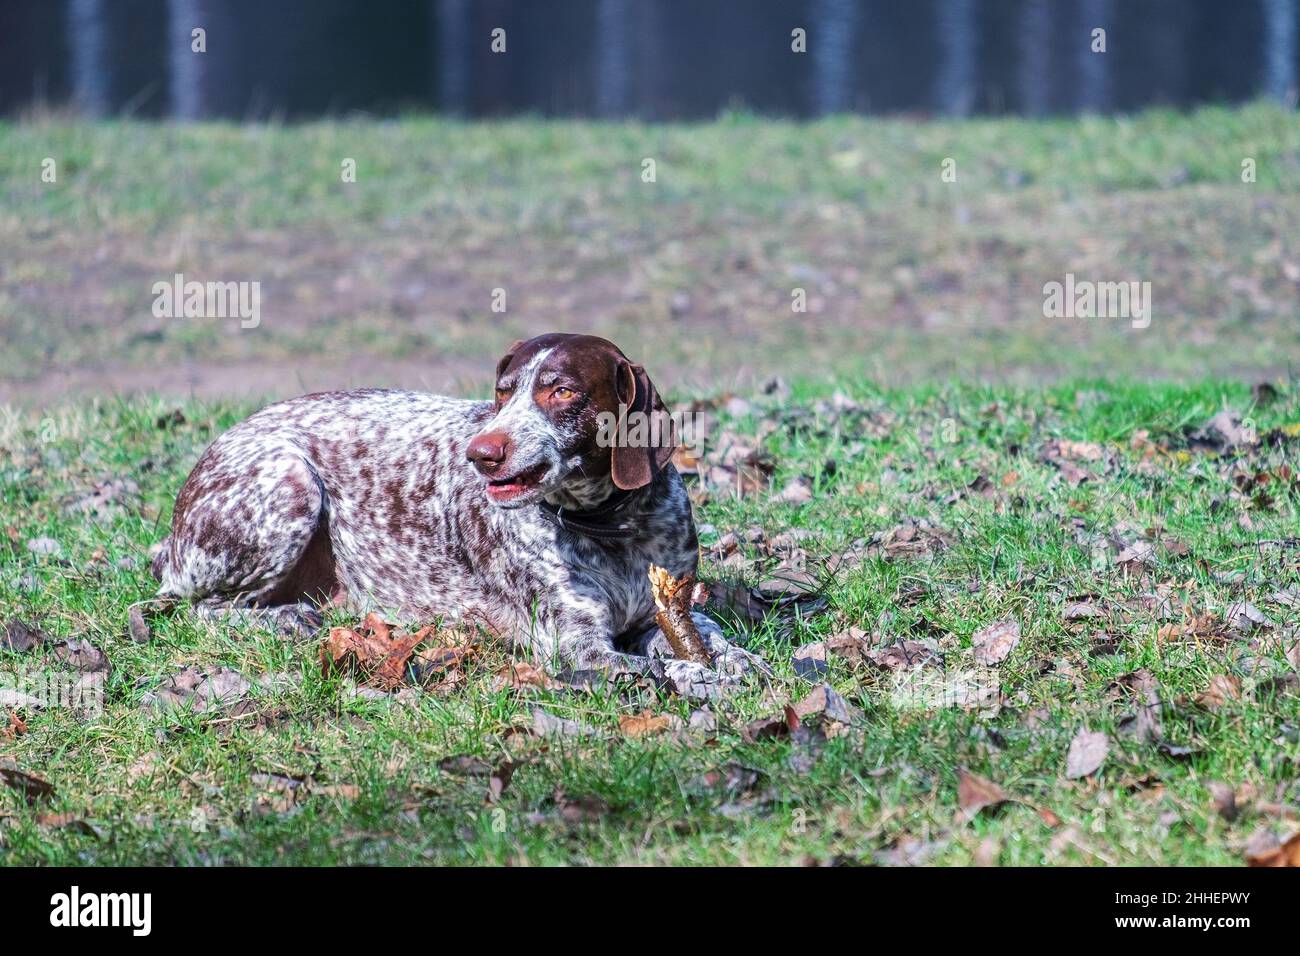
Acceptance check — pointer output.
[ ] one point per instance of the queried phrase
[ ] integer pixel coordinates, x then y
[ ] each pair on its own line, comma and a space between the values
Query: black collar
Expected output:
601, 523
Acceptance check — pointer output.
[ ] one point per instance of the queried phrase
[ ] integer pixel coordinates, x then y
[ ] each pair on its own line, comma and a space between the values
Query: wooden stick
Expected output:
673, 614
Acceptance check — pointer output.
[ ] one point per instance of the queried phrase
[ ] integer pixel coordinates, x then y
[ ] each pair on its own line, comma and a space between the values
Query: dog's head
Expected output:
573, 415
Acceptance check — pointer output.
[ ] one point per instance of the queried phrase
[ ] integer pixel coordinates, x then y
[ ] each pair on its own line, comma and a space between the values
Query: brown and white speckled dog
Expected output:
508, 513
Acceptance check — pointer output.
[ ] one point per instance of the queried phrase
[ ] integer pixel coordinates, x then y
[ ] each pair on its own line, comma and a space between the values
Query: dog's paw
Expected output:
297, 621
695, 681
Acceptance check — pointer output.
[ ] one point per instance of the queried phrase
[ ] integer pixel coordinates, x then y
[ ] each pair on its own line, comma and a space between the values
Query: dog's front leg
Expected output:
579, 634
729, 661
584, 640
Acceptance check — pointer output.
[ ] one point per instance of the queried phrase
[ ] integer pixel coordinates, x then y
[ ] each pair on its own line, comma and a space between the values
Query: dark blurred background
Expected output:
652, 59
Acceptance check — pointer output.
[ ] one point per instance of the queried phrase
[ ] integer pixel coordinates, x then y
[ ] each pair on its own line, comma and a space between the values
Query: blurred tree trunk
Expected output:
91, 67
830, 44
186, 66
1094, 68
452, 19
1280, 50
613, 66
1035, 79
955, 82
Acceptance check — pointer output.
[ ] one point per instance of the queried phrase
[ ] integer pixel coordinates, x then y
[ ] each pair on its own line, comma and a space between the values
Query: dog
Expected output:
514, 514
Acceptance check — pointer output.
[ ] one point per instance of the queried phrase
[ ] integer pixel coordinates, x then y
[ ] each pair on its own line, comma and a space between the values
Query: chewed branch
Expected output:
673, 614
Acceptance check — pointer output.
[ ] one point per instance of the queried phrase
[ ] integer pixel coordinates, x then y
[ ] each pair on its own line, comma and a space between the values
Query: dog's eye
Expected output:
563, 394
503, 394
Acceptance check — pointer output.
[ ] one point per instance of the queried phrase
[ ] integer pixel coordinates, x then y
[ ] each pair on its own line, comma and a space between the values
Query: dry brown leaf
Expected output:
57, 821
1087, 752
1223, 688
341, 791
1265, 850
21, 637
374, 655
1048, 817
975, 793
644, 724
14, 726
377, 626
1079, 450
521, 674
901, 655
825, 703
137, 626
995, 642
32, 788
1225, 799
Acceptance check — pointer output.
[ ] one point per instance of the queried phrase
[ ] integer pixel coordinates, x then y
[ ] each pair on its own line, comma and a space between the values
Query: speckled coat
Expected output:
368, 498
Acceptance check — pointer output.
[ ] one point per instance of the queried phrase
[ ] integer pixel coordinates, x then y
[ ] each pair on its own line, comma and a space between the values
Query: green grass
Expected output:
159, 789
909, 278
261, 176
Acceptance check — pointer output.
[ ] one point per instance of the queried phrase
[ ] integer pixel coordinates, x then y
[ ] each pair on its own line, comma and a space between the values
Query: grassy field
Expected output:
1120, 536
390, 279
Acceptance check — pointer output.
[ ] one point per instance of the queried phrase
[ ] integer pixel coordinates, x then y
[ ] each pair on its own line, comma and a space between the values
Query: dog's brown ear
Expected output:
639, 451
505, 360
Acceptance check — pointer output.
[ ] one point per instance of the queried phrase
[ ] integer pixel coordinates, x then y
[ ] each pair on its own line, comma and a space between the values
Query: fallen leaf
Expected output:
1243, 617
1264, 849
137, 626
901, 655
809, 660
975, 793
767, 728
825, 703
1223, 688
376, 655
520, 675
1087, 752
197, 690
1225, 799
32, 788
14, 726
21, 637
645, 724
501, 776
995, 642
798, 492
81, 656
45, 547
548, 725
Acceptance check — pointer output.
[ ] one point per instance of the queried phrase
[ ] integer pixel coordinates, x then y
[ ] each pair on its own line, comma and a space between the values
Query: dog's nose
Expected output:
488, 451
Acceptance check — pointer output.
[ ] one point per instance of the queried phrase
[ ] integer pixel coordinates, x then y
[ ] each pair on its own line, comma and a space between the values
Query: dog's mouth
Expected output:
507, 489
